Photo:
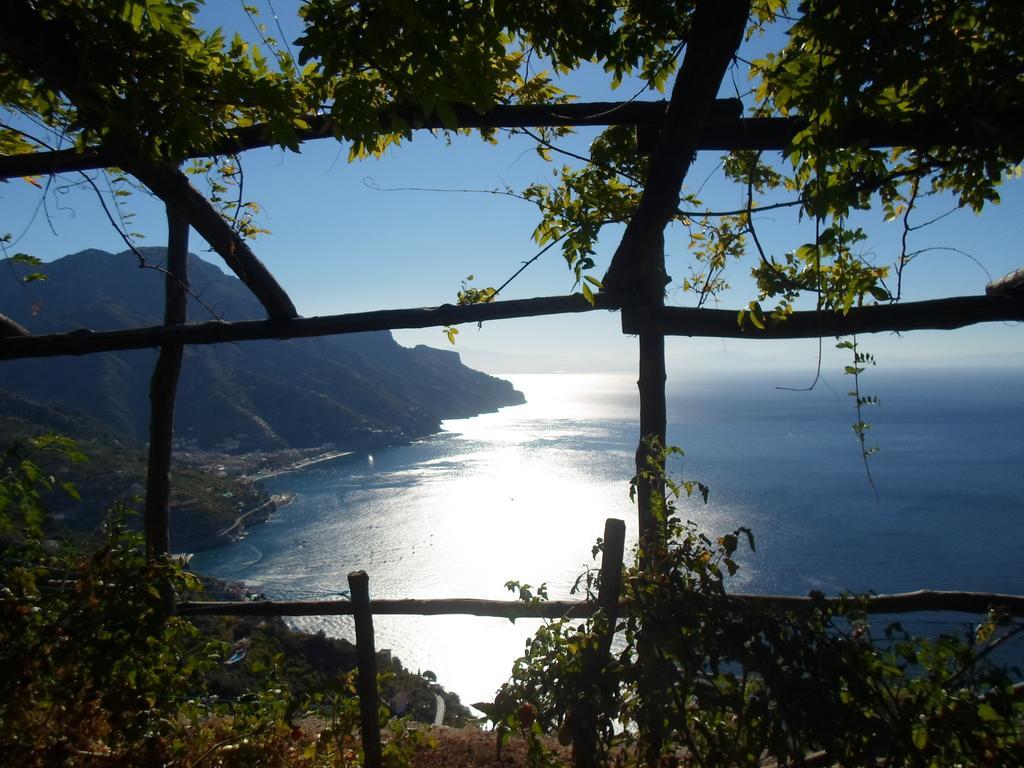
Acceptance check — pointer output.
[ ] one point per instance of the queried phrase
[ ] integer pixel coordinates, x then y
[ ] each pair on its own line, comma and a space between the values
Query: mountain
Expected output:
352, 391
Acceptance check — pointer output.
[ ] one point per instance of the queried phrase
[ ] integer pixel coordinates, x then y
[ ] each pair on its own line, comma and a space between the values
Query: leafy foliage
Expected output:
23, 483
939, 58
92, 660
170, 90
94, 666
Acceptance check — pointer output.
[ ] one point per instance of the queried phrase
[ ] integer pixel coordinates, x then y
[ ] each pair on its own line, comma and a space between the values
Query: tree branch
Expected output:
1007, 285
163, 390
83, 342
10, 328
725, 111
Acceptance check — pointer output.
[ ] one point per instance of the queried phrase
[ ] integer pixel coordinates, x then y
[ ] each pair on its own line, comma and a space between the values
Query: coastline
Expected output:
252, 467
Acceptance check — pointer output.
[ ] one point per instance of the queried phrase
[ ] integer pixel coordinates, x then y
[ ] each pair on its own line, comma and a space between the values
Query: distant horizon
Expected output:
497, 363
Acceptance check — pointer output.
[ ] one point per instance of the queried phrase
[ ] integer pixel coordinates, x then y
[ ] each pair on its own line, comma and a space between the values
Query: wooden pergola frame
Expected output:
692, 120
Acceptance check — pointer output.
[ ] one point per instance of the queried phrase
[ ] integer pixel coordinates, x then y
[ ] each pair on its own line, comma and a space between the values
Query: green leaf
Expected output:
988, 713
807, 253
588, 294
879, 293
919, 735
757, 315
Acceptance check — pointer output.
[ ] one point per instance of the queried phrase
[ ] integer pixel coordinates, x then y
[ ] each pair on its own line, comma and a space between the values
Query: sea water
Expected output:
523, 493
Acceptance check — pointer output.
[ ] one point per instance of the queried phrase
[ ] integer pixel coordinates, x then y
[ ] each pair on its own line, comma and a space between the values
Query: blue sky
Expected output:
340, 243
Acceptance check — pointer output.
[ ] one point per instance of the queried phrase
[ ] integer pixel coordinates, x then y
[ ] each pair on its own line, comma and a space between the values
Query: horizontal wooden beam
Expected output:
578, 114
906, 602
936, 314
726, 130
944, 314
507, 609
84, 342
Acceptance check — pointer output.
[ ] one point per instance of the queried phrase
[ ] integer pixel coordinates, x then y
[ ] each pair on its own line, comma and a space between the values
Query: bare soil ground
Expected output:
473, 748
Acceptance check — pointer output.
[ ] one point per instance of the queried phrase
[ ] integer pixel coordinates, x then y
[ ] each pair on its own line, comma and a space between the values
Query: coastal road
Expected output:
439, 712
281, 499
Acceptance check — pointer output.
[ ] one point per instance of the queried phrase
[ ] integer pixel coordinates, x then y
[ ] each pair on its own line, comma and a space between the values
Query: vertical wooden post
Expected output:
653, 427
366, 654
611, 578
584, 751
163, 389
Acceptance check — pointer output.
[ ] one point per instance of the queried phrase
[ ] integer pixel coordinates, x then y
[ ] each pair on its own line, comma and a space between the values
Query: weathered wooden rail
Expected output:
906, 602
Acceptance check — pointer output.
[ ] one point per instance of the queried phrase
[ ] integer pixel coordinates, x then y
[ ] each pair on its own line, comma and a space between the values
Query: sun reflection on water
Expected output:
518, 494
